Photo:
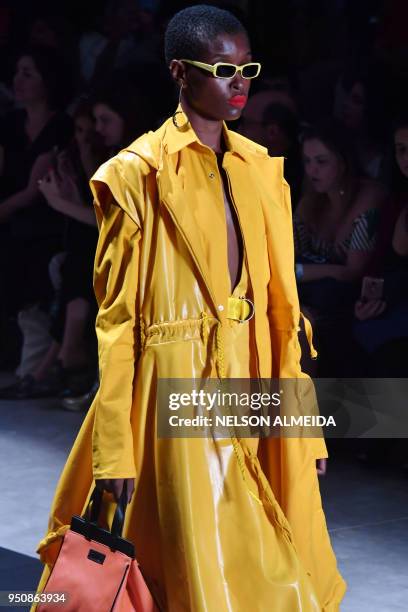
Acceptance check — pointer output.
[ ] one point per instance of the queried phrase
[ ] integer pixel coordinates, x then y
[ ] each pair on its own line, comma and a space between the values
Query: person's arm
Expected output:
71, 207
284, 308
81, 213
119, 190
400, 237
116, 289
357, 262
362, 244
26, 197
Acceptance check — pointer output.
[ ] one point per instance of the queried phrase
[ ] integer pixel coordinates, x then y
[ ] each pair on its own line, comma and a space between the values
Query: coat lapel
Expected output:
177, 191
249, 211
161, 149
176, 195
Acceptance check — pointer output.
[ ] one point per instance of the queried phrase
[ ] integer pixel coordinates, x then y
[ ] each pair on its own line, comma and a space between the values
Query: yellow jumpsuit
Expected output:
218, 527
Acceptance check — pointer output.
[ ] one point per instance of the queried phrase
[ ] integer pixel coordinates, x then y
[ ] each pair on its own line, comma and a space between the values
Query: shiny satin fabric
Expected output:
216, 528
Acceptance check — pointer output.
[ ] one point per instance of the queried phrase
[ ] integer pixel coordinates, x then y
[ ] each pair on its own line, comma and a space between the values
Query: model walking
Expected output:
193, 218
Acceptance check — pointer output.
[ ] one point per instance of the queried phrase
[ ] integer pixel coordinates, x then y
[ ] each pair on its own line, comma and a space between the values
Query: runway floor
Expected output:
366, 508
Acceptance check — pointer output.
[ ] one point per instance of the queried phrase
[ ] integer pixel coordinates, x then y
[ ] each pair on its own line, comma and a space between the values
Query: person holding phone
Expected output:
192, 218
381, 327
336, 230
378, 291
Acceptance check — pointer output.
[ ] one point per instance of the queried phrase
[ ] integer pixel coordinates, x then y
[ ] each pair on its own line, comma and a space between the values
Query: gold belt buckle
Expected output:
252, 312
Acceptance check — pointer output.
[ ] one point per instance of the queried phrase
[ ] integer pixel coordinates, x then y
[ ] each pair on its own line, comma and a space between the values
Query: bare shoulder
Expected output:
307, 209
370, 194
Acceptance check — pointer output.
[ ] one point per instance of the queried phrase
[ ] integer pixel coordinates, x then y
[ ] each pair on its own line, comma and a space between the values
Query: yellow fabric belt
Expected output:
240, 309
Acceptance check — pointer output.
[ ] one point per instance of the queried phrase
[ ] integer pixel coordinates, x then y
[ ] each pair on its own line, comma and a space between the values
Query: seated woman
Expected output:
335, 226
30, 232
382, 326
66, 191
67, 366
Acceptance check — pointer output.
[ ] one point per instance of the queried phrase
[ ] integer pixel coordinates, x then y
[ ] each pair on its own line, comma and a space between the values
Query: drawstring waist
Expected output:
239, 309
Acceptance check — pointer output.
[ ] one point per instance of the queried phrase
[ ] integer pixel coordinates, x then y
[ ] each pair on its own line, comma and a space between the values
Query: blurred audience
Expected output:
335, 230
362, 105
382, 330
65, 188
122, 112
115, 116
85, 86
132, 37
56, 32
275, 126
30, 232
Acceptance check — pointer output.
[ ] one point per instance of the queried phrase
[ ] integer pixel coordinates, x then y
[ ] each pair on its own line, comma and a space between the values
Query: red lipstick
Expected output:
238, 101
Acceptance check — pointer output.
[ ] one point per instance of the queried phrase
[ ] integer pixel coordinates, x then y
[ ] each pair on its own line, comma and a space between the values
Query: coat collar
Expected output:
161, 150
175, 193
175, 139
170, 140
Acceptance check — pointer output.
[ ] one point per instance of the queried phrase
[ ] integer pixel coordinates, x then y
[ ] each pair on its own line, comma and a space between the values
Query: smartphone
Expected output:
372, 289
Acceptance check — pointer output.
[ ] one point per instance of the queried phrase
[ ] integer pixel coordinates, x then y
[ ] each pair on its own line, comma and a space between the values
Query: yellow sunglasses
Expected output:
222, 70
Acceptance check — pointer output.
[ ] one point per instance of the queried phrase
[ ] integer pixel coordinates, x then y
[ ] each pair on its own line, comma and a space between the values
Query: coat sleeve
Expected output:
284, 308
292, 367
116, 288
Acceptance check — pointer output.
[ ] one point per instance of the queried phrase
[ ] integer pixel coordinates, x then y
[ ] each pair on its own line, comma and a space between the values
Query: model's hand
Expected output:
321, 466
115, 486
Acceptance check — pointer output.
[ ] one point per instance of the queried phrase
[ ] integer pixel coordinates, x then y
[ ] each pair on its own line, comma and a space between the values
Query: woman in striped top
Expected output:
336, 222
335, 231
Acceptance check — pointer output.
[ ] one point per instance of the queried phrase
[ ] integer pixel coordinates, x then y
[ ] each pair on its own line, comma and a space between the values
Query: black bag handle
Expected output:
93, 510
120, 512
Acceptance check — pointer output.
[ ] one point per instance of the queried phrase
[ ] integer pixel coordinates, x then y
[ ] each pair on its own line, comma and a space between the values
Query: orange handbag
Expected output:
96, 569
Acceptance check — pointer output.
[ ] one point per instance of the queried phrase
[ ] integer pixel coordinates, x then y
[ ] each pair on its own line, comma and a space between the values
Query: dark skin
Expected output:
204, 100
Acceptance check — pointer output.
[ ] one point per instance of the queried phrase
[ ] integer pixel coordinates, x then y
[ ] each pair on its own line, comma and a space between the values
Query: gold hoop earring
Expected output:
179, 112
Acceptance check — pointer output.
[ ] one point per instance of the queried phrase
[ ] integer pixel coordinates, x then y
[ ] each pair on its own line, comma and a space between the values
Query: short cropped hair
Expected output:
189, 31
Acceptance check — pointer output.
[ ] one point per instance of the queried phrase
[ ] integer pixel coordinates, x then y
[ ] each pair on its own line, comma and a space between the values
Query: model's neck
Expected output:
209, 131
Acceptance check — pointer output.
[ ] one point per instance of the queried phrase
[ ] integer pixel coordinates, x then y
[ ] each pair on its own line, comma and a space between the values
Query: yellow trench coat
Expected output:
205, 543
